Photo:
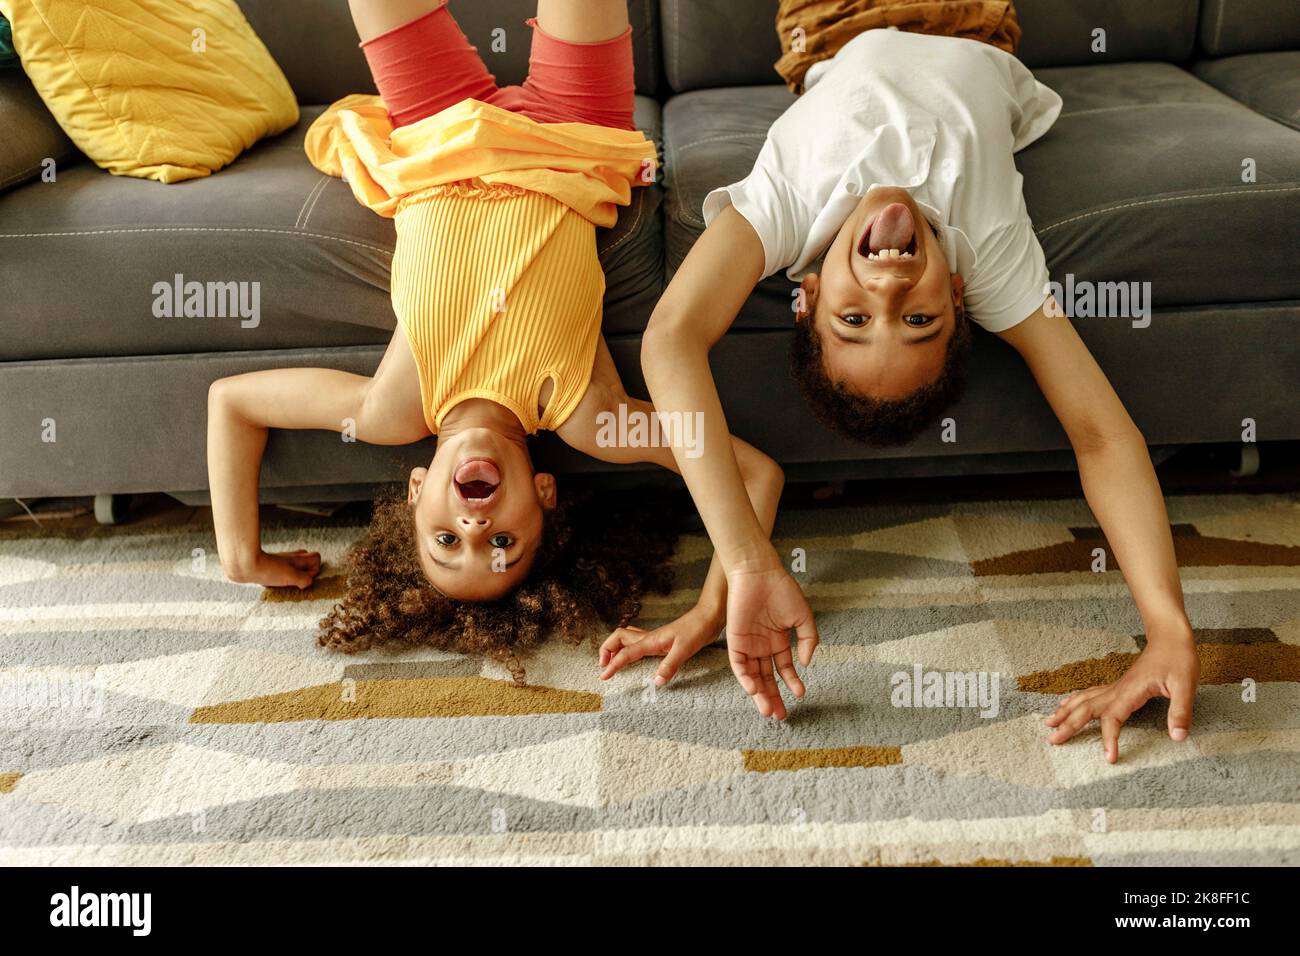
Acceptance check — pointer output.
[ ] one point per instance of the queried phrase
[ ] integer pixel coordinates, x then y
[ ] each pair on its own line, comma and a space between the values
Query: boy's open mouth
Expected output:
890, 236
476, 481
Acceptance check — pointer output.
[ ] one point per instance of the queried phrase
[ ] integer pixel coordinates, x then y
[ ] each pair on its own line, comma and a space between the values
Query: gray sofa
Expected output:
1140, 180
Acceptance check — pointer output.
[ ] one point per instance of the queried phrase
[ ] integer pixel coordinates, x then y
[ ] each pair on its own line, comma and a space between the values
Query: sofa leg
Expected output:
1248, 466
110, 509
828, 491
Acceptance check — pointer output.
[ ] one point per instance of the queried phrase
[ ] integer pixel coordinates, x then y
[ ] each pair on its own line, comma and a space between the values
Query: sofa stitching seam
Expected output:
320, 191
1286, 119
104, 232
640, 205
1172, 199
650, 37
1145, 106
677, 47
20, 175
731, 137
312, 194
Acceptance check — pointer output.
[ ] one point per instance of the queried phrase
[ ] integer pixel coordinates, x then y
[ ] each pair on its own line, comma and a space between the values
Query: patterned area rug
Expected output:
155, 714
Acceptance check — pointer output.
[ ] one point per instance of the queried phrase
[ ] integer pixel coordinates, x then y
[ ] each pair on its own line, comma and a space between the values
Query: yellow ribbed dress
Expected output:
495, 277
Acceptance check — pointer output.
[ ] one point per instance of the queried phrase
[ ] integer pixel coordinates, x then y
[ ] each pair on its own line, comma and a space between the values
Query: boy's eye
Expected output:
918, 321
501, 541
857, 321
445, 538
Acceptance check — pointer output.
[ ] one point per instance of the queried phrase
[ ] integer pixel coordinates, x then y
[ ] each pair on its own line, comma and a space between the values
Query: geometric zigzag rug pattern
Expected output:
154, 713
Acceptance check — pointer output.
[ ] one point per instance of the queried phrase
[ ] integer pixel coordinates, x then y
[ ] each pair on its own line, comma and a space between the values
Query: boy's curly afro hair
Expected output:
593, 566
873, 421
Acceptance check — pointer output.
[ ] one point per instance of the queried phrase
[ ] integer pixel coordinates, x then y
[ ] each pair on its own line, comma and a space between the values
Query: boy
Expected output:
895, 169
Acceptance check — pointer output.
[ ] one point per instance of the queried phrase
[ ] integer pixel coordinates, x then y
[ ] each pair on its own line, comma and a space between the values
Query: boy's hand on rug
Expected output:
676, 643
293, 569
762, 608
1168, 667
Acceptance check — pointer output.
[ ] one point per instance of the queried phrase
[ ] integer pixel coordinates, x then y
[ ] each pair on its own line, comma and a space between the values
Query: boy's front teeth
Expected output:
888, 254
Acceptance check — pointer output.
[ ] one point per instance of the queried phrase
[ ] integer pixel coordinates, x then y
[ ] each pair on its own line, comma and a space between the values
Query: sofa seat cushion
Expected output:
1268, 83
83, 259
1144, 178
1140, 180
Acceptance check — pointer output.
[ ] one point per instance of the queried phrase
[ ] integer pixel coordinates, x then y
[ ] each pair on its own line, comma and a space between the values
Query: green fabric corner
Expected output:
7, 55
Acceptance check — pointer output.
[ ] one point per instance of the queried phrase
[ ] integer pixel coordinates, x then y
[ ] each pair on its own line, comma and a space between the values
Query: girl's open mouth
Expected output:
477, 481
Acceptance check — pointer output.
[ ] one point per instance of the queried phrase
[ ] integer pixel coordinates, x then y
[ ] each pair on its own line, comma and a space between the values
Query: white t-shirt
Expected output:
938, 116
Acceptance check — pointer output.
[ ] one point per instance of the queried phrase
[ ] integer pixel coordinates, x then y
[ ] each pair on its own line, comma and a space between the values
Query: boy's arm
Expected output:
241, 409
763, 602
1120, 485
695, 311
761, 477
682, 638
762, 481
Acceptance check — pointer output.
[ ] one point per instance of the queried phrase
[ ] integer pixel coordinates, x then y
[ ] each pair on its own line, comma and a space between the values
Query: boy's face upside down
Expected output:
884, 306
478, 507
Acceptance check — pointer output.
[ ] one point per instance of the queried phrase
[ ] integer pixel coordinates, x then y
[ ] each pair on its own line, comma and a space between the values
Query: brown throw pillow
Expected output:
814, 30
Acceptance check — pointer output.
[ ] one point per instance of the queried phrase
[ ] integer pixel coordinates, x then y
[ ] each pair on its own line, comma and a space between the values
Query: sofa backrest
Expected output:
315, 42
709, 43
1249, 26
31, 134
1063, 32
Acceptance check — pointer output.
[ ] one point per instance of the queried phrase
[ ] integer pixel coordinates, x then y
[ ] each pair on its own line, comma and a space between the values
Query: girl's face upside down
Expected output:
478, 507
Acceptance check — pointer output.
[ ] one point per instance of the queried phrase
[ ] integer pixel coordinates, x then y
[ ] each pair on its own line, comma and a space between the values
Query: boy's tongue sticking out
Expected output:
892, 229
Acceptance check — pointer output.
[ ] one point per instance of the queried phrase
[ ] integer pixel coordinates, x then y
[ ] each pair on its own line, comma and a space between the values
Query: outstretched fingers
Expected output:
1066, 706
770, 687
1075, 719
677, 655
625, 646
748, 671
1182, 699
789, 676
807, 639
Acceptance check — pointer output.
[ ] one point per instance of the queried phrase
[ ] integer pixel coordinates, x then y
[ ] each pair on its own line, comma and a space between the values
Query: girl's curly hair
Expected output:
596, 560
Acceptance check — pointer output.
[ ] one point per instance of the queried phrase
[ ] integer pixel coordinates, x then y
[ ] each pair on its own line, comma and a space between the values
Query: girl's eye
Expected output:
919, 320
857, 321
445, 538
501, 541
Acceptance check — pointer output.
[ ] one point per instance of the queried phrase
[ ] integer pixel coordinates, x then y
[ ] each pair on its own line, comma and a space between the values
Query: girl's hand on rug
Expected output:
295, 569
1168, 667
763, 606
676, 643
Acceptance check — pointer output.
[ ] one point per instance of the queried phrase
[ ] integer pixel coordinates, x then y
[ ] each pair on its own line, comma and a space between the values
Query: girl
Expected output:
496, 193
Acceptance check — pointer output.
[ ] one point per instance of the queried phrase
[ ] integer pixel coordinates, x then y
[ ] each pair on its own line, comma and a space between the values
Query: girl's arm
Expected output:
241, 409
1121, 487
379, 410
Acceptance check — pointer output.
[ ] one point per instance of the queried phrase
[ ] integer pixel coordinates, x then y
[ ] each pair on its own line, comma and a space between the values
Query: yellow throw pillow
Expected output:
158, 89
